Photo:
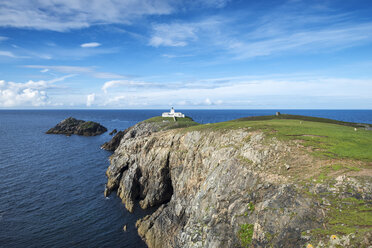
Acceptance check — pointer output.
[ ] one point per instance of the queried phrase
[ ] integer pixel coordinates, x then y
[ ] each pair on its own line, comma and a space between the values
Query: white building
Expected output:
172, 113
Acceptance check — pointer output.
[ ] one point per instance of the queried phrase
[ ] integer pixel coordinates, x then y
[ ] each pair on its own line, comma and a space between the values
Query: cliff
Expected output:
146, 128
73, 126
270, 182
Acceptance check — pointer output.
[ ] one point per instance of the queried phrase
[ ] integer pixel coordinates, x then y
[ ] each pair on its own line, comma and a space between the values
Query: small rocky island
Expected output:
73, 126
267, 181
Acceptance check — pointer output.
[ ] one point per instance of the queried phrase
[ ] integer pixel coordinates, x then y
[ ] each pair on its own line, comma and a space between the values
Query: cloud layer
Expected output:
63, 15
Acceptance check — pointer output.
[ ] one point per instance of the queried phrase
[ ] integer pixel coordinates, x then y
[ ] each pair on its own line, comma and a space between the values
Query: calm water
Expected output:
51, 186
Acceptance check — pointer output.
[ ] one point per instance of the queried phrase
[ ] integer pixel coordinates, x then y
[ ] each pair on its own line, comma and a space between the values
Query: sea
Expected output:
51, 186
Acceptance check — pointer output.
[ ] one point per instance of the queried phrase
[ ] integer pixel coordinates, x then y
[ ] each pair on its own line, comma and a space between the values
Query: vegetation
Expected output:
170, 119
245, 234
347, 215
328, 138
169, 123
251, 206
88, 125
327, 170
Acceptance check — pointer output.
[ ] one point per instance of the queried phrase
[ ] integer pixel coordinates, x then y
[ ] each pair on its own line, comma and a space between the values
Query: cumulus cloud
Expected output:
90, 44
29, 94
20, 95
90, 99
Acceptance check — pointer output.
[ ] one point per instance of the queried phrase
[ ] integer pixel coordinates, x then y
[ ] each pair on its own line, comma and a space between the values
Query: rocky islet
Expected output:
71, 126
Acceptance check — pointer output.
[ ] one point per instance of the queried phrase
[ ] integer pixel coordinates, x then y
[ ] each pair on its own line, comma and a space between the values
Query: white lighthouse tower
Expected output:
172, 113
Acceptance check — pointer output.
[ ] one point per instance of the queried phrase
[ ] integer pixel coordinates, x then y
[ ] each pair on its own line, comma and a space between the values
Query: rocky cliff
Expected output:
73, 126
242, 185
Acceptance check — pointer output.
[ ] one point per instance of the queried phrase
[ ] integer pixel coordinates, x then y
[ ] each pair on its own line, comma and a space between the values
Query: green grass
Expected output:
167, 123
170, 119
329, 138
302, 118
245, 234
325, 171
346, 216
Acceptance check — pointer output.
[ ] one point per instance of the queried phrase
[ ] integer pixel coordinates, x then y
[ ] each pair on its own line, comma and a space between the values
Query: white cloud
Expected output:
117, 83
29, 94
244, 92
91, 44
8, 54
3, 38
90, 99
63, 15
76, 70
334, 38
281, 30
175, 34
180, 34
208, 101
20, 95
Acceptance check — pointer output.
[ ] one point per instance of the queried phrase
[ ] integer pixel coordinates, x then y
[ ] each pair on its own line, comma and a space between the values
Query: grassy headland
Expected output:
170, 123
329, 138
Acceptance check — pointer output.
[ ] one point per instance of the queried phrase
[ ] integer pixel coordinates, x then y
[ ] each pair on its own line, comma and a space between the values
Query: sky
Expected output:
200, 54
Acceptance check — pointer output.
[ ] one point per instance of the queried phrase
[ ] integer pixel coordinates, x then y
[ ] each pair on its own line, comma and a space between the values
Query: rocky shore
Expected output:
246, 186
71, 126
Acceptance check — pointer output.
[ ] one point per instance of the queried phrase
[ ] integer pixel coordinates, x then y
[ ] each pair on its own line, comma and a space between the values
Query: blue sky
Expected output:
214, 54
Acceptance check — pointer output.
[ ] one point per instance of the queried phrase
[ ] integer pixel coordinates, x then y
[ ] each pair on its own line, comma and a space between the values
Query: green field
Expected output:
169, 123
170, 119
329, 138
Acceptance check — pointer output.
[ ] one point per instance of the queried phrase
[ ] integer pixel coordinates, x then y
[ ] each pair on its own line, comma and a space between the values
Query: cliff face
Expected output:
233, 188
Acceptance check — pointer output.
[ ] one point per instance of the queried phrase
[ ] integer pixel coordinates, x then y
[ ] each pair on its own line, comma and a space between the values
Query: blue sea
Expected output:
51, 186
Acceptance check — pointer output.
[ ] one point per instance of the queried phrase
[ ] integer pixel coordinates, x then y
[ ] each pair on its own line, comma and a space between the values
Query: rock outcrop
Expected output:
113, 132
144, 128
227, 189
114, 142
73, 126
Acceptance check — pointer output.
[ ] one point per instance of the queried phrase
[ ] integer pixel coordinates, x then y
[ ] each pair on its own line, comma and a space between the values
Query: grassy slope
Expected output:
170, 119
329, 138
169, 123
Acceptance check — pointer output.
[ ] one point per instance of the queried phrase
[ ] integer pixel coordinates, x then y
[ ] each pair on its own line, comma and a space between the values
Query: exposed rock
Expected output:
114, 142
73, 126
221, 189
113, 132
140, 129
